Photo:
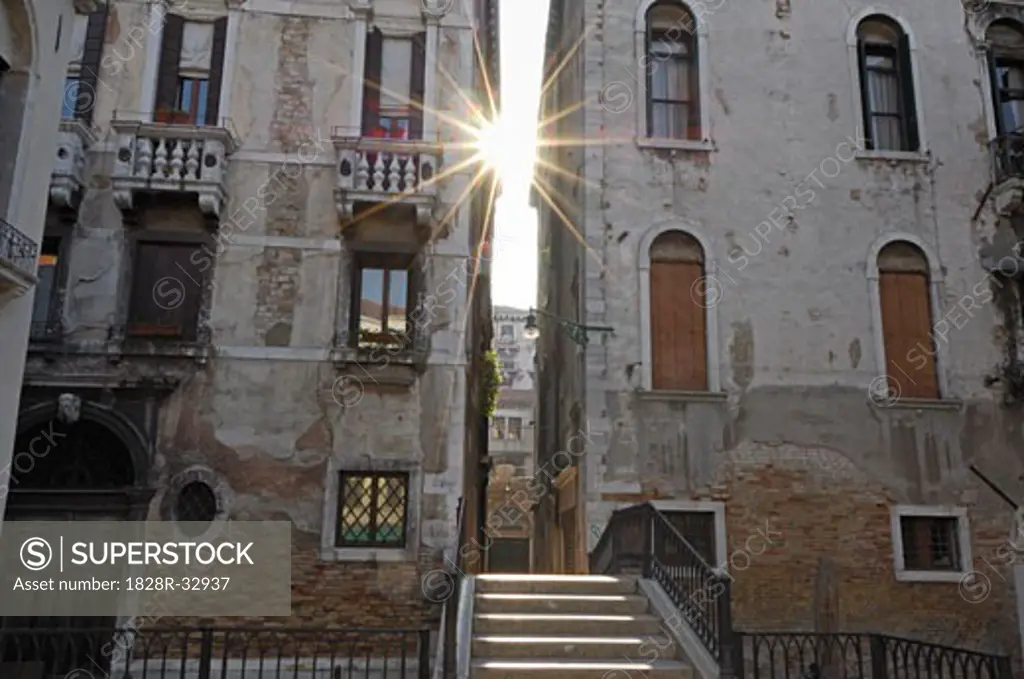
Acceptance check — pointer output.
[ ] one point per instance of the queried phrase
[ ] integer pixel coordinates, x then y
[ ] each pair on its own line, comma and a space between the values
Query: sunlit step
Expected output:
540, 583
636, 647
607, 669
601, 604
537, 624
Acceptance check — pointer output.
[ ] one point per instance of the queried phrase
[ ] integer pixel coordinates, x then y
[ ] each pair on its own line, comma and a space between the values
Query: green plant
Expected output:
492, 381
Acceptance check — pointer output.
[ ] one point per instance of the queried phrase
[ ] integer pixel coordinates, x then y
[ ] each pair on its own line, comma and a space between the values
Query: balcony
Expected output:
67, 182
18, 255
1007, 154
158, 158
374, 170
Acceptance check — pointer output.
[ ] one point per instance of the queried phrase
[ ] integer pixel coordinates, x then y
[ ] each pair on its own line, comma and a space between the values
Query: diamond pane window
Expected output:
372, 509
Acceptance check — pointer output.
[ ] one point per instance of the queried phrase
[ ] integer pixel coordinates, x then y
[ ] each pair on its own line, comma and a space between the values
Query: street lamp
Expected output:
576, 332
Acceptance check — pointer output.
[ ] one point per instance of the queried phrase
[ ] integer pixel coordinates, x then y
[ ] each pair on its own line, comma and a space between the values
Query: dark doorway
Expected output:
66, 471
509, 555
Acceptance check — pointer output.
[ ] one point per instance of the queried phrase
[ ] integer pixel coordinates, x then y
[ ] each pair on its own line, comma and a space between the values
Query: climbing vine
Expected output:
492, 381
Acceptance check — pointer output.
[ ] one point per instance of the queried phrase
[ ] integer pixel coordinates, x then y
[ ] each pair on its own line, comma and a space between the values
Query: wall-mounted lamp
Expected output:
576, 332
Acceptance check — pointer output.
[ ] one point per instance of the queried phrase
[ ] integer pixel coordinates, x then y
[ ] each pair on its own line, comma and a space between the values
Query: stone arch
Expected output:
19, 32
96, 420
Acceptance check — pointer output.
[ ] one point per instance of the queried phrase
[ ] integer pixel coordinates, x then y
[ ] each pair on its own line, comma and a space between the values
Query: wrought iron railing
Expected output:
1007, 152
17, 249
807, 655
641, 540
216, 653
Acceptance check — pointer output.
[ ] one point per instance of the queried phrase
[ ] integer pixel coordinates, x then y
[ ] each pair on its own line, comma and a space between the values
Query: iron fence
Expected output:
215, 653
808, 655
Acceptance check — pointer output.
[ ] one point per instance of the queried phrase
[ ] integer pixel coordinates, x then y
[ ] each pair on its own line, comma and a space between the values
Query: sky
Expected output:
514, 271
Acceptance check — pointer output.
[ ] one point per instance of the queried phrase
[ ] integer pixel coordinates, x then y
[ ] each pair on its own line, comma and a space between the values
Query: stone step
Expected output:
545, 624
561, 669
599, 604
494, 583
636, 647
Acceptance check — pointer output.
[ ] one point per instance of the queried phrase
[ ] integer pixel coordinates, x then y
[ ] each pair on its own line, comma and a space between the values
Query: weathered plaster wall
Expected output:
267, 412
796, 335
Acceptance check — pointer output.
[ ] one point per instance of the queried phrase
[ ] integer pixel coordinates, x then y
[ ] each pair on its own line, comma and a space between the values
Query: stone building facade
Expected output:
806, 249
34, 51
260, 296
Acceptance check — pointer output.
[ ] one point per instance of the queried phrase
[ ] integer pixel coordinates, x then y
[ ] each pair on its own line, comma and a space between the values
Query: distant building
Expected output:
511, 442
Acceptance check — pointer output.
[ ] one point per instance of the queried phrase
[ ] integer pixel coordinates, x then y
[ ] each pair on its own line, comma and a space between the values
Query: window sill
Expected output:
704, 146
683, 395
893, 156
930, 576
900, 403
363, 554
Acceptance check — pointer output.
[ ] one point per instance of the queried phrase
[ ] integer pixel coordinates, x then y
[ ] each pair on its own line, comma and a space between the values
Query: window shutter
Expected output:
693, 123
648, 79
371, 79
677, 327
906, 73
417, 85
170, 57
997, 103
91, 56
865, 99
906, 327
220, 34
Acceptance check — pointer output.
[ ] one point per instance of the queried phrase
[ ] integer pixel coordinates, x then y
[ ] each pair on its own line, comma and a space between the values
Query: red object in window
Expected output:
397, 132
378, 133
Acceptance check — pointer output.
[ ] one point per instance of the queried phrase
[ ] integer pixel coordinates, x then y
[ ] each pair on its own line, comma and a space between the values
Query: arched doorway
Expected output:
72, 461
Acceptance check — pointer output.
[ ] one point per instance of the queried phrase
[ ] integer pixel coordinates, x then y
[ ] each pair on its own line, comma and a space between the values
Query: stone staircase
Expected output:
569, 627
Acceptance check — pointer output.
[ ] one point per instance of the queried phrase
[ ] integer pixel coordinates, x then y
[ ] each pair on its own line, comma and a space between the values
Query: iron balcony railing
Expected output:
215, 653
17, 249
641, 540
1007, 153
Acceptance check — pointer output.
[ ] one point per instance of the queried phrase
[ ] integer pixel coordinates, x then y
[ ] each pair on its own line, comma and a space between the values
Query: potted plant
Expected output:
173, 116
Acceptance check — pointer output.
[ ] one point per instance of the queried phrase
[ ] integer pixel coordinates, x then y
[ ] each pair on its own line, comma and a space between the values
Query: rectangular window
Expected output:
382, 302
192, 98
884, 96
498, 425
930, 543
166, 292
69, 104
673, 107
1010, 83
515, 428
372, 509
45, 312
508, 332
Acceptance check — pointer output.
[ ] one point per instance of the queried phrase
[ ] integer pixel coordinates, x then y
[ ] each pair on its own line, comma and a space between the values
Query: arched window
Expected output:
905, 294
678, 317
673, 92
886, 85
1006, 69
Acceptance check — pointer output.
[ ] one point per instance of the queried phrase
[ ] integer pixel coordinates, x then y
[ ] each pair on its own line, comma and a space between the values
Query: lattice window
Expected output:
372, 509
930, 543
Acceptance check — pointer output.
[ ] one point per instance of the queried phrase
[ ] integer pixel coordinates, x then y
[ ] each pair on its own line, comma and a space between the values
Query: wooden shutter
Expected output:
678, 326
865, 99
906, 329
220, 34
648, 78
165, 301
371, 80
693, 78
89, 74
911, 138
417, 85
170, 59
